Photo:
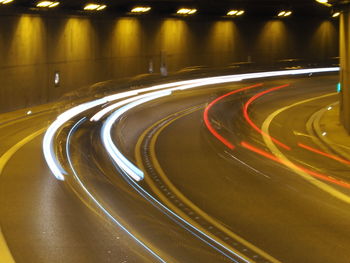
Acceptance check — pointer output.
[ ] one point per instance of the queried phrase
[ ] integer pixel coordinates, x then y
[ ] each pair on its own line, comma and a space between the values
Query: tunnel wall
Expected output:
86, 50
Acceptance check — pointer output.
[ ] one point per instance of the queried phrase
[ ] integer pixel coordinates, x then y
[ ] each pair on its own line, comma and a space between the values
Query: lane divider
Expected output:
206, 115
5, 253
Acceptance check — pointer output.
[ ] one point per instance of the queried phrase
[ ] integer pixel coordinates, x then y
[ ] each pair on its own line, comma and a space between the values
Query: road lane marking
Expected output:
5, 253
23, 118
183, 198
95, 200
270, 144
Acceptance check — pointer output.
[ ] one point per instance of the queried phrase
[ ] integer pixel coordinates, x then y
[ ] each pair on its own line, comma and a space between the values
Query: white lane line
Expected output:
5, 254
98, 204
321, 185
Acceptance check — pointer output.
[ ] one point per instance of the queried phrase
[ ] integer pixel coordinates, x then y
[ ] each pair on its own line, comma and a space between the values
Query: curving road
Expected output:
231, 172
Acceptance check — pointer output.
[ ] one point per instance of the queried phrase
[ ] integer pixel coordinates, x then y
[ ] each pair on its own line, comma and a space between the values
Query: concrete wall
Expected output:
87, 50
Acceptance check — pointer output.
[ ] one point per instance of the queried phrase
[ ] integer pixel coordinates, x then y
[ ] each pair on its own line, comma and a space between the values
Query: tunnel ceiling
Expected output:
205, 7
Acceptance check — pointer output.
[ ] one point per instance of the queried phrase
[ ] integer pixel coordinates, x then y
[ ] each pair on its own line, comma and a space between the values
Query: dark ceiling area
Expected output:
204, 7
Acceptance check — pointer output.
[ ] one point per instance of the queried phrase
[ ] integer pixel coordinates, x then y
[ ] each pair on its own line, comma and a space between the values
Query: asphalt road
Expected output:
231, 204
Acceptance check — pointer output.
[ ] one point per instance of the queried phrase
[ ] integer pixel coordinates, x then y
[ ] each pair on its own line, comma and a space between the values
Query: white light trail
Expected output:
129, 168
48, 150
123, 163
104, 111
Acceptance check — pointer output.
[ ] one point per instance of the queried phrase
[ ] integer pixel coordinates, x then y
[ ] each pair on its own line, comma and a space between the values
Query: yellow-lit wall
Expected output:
87, 50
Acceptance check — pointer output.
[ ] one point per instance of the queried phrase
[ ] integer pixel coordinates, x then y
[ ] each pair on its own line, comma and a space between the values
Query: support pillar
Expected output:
344, 94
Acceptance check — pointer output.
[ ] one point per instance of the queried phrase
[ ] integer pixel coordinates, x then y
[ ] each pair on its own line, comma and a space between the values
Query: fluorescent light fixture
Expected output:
284, 13
186, 11
94, 7
235, 12
141, 9
336, 14
324, 2
47, 4
232, 12
4, 2
101, 7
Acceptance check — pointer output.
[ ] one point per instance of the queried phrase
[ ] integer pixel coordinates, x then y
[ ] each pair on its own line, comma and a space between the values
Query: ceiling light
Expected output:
47, 4
92, 7
324, 2
232, 12
235, 12
101, 7
284, 13
336, 14
141, 9
186, 11
4, 2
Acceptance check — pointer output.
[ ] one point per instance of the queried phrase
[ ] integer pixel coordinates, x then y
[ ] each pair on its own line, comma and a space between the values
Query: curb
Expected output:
316, 125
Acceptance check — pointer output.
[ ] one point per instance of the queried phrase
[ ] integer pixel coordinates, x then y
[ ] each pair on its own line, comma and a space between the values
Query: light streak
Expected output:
206, 117
103, 112
252, 124
292, 165
331, 156
123, 163
48, 150
131, 172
